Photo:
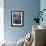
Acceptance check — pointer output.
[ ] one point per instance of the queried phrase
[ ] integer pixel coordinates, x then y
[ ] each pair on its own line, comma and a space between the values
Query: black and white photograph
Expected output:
17, 18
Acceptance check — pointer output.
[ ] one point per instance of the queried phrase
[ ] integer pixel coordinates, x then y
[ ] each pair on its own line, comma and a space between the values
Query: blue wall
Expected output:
43, 6
29, 7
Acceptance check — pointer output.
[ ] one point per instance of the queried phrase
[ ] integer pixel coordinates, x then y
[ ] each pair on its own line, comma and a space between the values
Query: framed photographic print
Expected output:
17, 18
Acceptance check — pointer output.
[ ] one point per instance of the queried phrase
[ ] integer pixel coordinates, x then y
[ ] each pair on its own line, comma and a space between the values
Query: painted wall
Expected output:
30, 7
43, 6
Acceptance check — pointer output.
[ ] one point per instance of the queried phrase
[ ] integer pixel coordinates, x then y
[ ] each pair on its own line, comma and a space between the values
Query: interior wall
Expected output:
30, 7
43, 6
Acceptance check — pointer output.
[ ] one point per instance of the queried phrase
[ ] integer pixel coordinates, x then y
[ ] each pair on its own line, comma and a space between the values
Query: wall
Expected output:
30, 7
42, 6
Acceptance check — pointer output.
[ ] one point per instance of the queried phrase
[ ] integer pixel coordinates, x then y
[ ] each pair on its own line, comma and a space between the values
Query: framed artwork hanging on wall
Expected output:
17, 18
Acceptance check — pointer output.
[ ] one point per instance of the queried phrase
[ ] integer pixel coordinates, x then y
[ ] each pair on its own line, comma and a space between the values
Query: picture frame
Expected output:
17, 18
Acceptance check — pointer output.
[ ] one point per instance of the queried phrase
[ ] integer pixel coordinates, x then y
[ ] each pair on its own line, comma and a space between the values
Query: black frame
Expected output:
22, 18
